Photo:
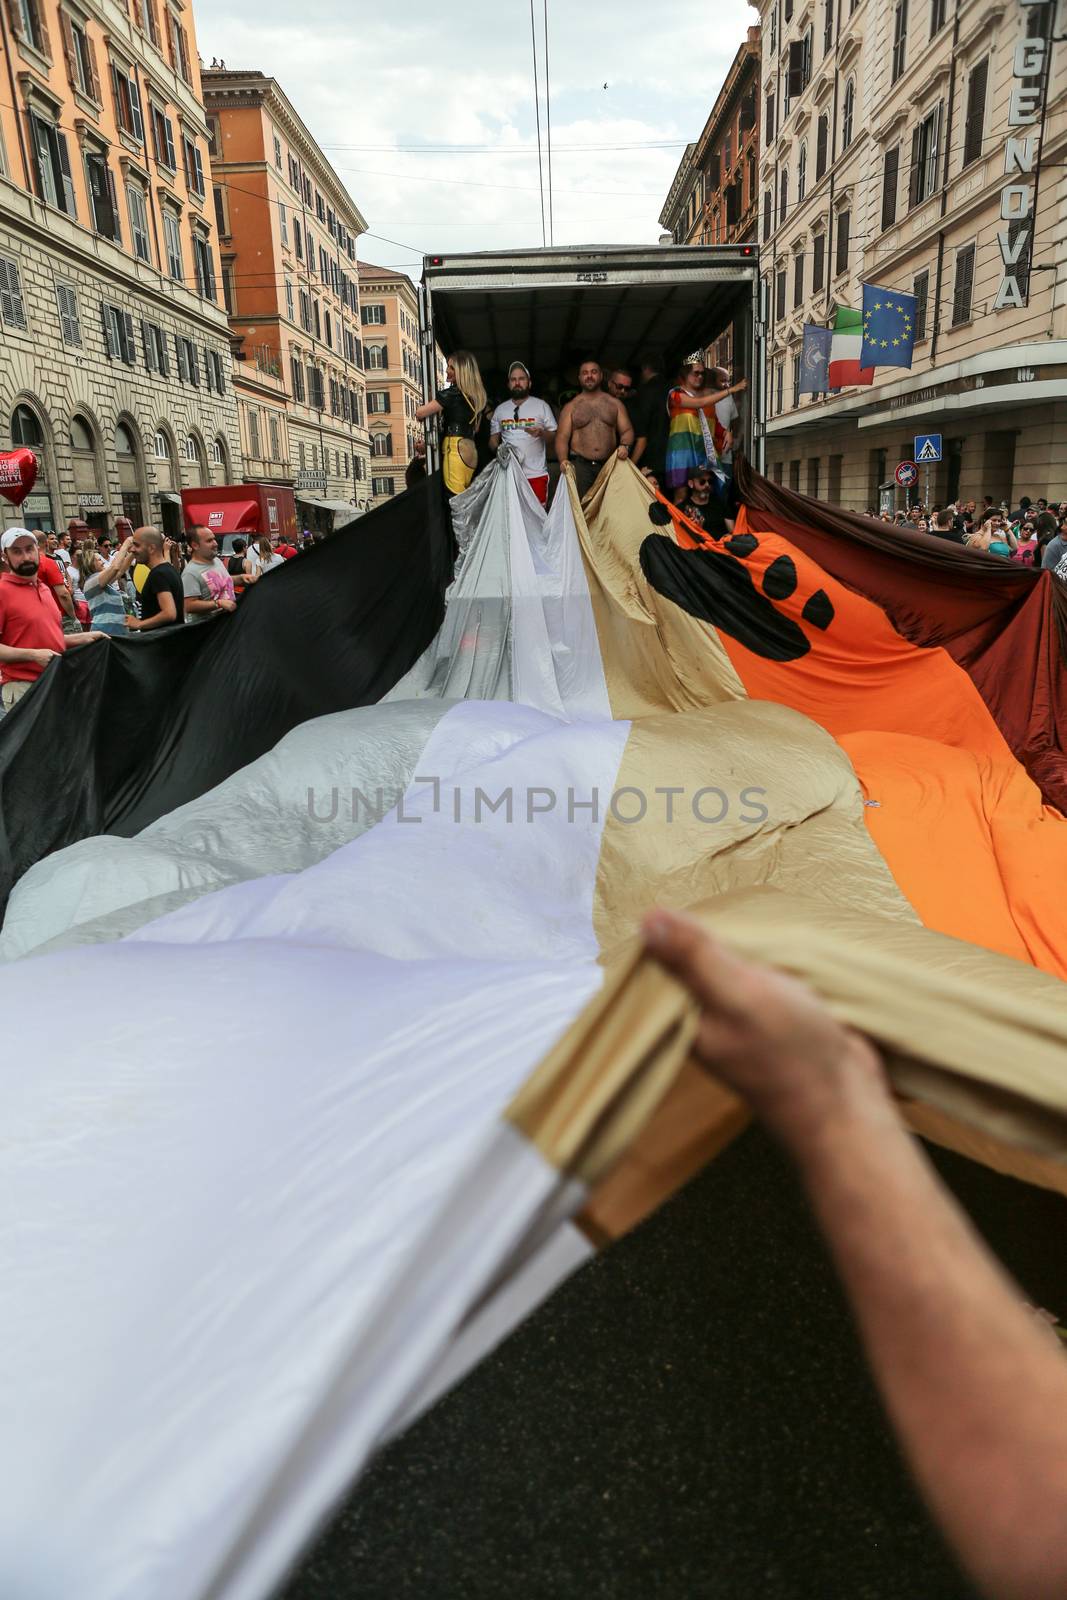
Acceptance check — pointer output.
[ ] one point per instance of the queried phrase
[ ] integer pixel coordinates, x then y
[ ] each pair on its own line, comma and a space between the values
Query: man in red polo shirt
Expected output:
31, 626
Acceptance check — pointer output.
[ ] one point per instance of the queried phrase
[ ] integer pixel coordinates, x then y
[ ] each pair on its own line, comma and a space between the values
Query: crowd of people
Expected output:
680, 433
73, 588
1034, 534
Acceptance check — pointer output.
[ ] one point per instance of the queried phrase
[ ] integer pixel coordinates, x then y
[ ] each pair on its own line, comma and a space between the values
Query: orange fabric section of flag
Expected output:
959, 822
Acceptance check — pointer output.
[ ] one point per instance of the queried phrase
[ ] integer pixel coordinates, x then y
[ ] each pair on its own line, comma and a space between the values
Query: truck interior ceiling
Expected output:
552, 327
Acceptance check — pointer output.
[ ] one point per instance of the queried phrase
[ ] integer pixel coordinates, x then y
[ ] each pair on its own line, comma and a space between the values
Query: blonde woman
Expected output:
462, 405
100, 585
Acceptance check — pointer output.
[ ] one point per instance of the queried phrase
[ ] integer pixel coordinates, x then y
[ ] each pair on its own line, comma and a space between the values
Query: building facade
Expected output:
288, 230
389, 311
714, 198
901, 149
115, 363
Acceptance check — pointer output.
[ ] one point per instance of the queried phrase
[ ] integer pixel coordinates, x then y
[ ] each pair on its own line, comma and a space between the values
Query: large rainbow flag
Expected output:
370, 1057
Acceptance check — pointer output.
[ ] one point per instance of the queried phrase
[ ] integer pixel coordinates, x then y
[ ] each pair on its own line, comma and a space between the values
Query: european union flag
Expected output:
888, 327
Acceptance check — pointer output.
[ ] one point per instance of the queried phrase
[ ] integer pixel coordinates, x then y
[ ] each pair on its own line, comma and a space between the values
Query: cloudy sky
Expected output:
381, 94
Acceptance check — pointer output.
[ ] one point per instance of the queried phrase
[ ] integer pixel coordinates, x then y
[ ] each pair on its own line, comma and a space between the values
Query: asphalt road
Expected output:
689, 1416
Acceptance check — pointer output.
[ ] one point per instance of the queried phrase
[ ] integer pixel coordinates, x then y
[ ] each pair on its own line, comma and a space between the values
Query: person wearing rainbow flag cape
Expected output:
690, 441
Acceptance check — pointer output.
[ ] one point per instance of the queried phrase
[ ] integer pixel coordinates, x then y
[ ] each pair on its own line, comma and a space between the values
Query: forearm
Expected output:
976, 1392
626, 435
160, 620
563, 444
65, 600
197, 607
12, 653
640, 446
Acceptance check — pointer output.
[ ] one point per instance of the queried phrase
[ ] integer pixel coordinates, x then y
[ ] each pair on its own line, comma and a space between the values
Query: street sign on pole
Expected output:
927, 448
907, 474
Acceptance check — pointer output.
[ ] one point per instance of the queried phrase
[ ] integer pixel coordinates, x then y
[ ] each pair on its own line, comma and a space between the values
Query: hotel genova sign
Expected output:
1021, 152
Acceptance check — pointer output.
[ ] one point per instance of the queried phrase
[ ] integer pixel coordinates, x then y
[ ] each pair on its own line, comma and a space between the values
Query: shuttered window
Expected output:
974, 123
12, 309
69, 323
963, 287
818, 262
890, 184
844, 224
920, 288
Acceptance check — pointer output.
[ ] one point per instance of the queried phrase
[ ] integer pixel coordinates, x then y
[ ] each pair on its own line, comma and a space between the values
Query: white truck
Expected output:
551, 308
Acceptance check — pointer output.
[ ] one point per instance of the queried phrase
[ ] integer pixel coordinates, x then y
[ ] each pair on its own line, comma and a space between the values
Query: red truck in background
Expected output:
241, 510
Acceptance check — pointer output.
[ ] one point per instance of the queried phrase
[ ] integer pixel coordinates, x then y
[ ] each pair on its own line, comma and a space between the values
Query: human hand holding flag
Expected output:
888, 327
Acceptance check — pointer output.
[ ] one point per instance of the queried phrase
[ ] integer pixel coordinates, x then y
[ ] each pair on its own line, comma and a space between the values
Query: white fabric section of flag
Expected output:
519, 881
211, 1208
554, 639
203, 1235
317, 789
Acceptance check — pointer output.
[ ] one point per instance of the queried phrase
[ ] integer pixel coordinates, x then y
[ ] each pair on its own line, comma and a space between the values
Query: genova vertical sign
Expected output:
1021, 154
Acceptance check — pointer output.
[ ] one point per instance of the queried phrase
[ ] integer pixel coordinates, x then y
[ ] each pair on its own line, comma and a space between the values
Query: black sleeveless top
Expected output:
457, 417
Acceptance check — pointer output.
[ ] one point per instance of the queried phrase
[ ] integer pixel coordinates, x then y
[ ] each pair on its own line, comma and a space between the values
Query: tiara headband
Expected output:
697, 358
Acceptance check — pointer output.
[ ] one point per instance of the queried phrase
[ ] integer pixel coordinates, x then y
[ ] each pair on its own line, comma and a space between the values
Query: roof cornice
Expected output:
226, 90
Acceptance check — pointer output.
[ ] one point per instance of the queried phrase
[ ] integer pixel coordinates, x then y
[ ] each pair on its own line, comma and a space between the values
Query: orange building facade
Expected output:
389, 311
115, 363
288, 231
714, 198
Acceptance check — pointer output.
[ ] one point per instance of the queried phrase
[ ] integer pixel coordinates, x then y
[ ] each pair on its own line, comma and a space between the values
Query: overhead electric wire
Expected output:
537, 116
548, 135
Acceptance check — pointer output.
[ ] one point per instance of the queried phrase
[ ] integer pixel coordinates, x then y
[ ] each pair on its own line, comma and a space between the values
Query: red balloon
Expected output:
18, 474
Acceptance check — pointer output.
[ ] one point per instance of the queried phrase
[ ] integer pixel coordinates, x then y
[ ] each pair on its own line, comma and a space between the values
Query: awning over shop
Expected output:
222, 516
343, 510
169, 497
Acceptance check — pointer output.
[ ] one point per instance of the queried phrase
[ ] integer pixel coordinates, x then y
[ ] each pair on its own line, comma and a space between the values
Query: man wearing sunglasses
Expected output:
527, 424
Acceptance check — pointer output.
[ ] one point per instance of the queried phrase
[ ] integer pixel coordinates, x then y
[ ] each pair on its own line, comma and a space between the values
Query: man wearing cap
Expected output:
527, 425
31, 627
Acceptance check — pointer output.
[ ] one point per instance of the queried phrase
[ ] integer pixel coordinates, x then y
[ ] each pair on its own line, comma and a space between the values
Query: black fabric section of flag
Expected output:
117, 733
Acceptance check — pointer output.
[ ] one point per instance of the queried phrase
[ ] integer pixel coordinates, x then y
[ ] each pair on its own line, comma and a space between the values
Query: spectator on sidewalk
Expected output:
31, 628
100, 583
54, 579
261, 556
162, 599
206, 584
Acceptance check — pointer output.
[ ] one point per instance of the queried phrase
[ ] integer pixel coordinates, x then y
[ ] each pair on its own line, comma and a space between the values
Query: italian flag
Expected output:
845, 369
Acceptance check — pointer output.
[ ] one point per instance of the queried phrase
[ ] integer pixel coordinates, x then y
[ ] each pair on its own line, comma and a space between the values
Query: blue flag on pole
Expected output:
888, 327
815, 359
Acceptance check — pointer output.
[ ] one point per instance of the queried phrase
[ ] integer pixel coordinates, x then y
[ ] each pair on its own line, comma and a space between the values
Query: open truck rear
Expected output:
551, 308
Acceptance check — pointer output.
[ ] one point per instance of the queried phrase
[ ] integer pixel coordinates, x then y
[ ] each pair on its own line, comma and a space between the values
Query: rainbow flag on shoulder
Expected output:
845, 347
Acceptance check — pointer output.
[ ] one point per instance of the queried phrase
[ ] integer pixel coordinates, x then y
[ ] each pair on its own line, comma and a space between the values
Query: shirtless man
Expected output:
592, 426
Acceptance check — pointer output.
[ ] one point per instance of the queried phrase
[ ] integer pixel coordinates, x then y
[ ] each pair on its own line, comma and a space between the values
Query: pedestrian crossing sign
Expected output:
927, 448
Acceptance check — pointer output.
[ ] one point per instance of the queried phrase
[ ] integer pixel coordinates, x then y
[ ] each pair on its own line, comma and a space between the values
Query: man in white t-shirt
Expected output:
527, 424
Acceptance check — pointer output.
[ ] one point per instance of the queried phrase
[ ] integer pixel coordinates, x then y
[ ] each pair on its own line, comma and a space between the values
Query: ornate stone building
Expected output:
919, 145
115, 361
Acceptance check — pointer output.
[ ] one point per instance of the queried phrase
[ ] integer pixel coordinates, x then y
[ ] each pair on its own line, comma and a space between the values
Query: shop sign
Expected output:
37, 505
1021, 153
311, 480
91, 501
